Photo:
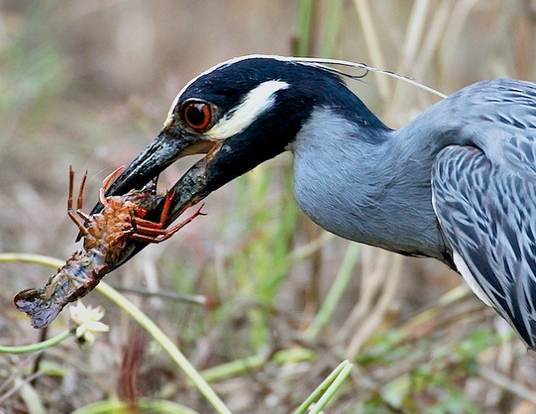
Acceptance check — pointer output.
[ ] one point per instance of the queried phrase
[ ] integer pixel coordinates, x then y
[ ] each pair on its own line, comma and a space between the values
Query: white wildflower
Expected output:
87, 322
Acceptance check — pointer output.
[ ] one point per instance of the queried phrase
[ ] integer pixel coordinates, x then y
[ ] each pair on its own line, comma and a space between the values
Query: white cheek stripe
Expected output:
255, 103
169, 118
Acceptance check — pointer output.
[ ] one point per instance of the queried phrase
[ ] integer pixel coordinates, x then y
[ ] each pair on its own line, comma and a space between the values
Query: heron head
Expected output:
239, 113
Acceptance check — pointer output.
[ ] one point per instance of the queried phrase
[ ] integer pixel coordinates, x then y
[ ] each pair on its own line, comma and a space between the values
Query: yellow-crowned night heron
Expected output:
458, 183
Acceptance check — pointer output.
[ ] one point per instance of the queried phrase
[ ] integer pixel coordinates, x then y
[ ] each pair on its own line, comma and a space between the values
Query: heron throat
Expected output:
363, 183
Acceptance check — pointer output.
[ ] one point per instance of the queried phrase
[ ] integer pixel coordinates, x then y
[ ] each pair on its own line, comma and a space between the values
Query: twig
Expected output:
507, 384
373, 44
179, 297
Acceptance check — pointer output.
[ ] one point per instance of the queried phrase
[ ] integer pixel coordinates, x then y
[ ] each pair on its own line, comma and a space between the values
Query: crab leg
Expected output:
70, 211
151, 234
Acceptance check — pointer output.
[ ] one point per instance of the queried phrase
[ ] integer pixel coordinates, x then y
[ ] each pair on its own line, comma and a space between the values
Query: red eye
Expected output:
197, 115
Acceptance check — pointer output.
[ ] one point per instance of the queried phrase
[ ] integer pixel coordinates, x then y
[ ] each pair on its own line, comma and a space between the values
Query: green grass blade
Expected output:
325, 391
337, 290
144, 321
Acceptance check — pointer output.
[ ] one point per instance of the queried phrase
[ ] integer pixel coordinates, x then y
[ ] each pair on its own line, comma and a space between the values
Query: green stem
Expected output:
144, 405
332, 28
38, 346
143, 320
303, 27
326, 389
31, 258
238, 367
346, 369
335, 293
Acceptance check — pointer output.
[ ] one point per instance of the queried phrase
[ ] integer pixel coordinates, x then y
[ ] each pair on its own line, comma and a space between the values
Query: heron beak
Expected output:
165, 149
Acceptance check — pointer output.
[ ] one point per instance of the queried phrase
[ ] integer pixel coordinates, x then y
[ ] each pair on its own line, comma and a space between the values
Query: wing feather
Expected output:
487, 212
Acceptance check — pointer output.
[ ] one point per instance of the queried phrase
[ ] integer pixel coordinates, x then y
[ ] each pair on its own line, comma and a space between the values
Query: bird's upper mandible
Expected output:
458, 183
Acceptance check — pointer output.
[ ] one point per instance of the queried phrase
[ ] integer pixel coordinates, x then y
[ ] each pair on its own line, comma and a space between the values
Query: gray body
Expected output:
458, 183
392, 174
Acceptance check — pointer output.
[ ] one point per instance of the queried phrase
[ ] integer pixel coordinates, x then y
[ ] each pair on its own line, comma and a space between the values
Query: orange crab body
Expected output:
106, 236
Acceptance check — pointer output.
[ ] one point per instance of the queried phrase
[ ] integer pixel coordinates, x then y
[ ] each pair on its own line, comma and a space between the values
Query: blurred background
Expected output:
89, 84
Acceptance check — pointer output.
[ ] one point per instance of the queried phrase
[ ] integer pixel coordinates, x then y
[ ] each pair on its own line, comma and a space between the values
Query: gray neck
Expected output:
366, 184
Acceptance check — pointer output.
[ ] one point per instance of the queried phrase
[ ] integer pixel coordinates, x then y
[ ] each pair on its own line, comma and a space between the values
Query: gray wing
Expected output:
487, 211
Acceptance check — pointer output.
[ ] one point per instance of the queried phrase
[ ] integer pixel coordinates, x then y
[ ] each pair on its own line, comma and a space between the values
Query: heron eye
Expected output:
197, 115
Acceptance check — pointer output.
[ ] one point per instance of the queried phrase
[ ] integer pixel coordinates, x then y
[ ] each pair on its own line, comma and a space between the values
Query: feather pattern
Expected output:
487, 209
